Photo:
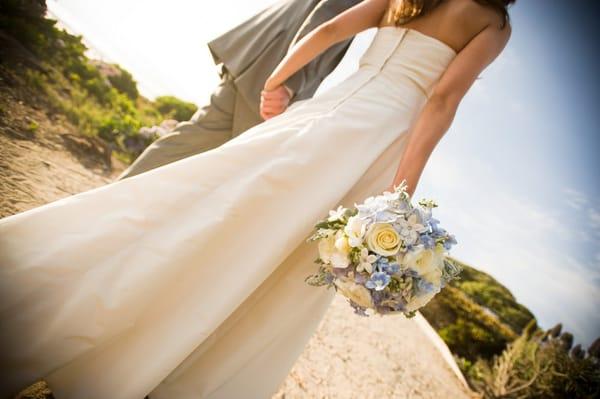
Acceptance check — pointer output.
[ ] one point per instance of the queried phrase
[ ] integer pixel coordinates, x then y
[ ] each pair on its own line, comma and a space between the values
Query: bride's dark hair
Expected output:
405, 10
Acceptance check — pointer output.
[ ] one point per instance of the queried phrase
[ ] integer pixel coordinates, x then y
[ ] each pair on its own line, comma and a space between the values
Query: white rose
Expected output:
355, 230
383, 239
420, 260
427, 262
434, 277
358, 293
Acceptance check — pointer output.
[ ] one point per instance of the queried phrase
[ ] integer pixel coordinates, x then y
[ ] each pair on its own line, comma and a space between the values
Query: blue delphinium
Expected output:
450, 241
378, 281
434, 223
427, 241
390, 268
383, 265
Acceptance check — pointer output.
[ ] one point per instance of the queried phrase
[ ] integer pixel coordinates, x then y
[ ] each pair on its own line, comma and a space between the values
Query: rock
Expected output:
158, 130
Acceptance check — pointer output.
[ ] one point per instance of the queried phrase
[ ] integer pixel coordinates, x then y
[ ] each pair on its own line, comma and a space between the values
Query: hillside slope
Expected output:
476, 315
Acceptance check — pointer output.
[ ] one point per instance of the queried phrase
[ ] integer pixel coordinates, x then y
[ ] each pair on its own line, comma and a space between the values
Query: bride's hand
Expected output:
274, 102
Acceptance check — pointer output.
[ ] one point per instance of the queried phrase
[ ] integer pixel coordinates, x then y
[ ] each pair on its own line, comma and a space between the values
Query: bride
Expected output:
187, 281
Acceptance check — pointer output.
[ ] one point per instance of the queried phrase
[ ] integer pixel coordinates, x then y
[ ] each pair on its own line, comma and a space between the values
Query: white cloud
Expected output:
575, 198
527, 246
594, 218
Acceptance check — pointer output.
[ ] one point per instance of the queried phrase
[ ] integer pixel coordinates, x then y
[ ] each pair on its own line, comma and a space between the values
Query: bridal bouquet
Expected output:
384, 255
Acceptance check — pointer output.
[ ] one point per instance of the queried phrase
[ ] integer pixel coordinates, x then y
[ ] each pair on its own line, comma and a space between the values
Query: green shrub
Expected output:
475, 315
33, 127
124, 83
537, 365
173, 108
467, 328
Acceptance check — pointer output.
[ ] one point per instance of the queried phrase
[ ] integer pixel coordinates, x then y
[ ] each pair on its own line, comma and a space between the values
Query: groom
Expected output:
247, 55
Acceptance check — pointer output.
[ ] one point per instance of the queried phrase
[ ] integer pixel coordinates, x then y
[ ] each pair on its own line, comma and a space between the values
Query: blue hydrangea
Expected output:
385, 216
378, 281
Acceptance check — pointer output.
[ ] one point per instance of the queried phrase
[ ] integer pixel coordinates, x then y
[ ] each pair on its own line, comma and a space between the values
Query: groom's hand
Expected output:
274, 102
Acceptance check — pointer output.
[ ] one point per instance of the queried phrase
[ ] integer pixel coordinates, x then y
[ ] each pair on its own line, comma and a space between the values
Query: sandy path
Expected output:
377, 357
348, 357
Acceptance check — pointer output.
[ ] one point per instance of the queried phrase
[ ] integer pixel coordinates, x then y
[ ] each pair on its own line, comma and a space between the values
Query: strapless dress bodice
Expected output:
405, 55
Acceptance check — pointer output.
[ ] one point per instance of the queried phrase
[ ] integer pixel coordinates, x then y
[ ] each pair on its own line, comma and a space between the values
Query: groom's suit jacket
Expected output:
252, 50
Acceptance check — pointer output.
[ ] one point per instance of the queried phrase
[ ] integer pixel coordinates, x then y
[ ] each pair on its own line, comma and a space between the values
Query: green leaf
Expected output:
410, 315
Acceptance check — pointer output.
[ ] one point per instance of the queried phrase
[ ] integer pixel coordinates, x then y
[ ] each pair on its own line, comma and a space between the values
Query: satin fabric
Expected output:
187, 281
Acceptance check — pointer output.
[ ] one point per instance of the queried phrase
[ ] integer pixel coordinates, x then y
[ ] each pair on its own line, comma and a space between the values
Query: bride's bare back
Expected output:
454, 22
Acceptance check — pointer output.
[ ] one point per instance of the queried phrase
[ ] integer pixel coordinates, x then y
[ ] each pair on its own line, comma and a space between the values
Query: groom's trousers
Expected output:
211, 126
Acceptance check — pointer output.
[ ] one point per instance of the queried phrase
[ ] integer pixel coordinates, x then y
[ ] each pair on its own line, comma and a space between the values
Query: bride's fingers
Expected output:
271, 108
274, 96
268, 100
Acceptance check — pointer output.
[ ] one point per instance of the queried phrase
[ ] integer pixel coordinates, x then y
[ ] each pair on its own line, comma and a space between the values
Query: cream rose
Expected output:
434, 277
427, 262
359, 294
383, 239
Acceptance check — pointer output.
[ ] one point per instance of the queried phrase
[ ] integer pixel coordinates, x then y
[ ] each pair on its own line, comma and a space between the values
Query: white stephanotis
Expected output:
355, 230
338, 214
409, 228
366, 261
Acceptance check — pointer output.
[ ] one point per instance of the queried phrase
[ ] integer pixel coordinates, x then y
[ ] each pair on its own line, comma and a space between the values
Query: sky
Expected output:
516, 176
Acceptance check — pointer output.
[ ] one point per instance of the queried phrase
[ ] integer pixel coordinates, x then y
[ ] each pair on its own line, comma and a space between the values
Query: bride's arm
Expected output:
362, 16
439, 111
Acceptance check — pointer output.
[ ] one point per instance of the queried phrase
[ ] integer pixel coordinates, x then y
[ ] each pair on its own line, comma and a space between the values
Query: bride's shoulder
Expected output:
485, 14
482, 20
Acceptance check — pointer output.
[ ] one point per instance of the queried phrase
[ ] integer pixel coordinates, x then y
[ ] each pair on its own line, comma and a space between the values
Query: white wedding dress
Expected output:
187, 281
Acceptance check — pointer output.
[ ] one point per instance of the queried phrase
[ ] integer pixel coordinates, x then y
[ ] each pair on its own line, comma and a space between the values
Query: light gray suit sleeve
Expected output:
320, 66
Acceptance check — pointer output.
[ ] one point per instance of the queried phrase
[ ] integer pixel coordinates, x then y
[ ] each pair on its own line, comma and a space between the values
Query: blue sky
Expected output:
516, 176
